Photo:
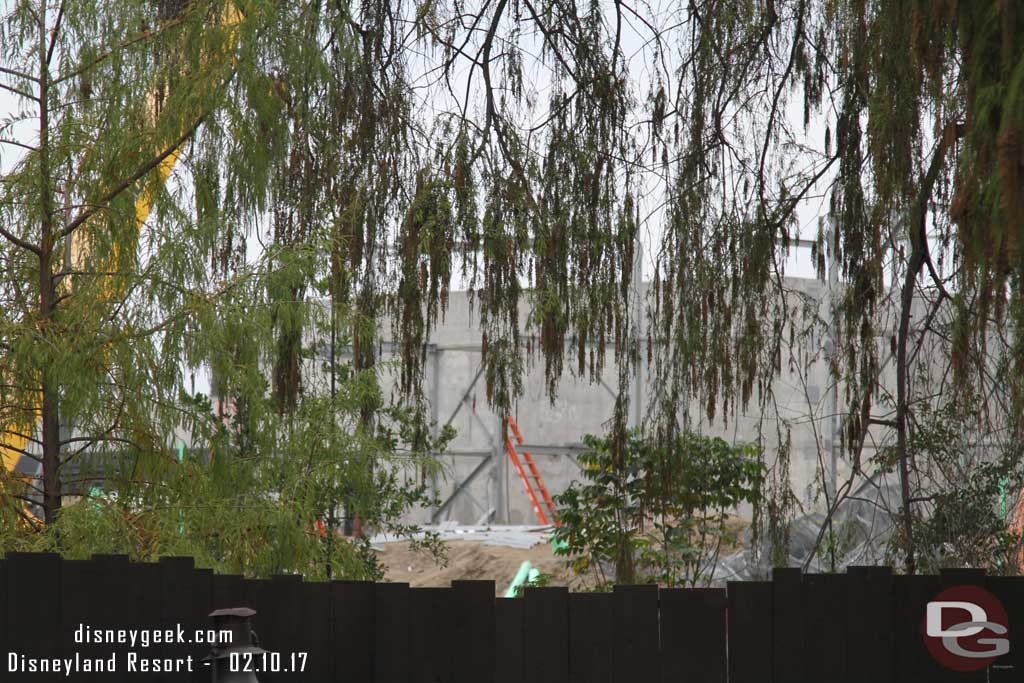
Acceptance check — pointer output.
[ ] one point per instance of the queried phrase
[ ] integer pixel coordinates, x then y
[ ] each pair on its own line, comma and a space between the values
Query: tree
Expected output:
532, 144
109, 295
655, 514
111, 95
920, 107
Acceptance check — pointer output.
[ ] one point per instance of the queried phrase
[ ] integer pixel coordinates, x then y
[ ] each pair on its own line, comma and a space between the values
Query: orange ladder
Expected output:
514, 455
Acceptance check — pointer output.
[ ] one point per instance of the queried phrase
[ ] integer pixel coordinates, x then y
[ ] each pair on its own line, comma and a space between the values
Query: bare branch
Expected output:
28, 246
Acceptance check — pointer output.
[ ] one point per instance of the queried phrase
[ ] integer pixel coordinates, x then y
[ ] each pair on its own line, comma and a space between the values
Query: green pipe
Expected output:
521, 577
1003, 498
181, 513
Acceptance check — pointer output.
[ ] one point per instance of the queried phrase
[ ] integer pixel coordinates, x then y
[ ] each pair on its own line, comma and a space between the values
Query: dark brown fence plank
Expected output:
185, 601
262, 597
508, 640
319, 659
869, 625
391, 661
199, 605
112, 602
431, 644
591, 637
353, 632
693, 635
788, 626
1010, 591
78, 602
750, 632
473, 608
34, 610
914, 664
143, 590
4, 646
546, 635
228, 591
961, 577
825, 634
637, 649
288, 630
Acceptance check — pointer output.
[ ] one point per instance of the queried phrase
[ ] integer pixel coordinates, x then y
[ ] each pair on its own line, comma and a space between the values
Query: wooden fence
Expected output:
862, 626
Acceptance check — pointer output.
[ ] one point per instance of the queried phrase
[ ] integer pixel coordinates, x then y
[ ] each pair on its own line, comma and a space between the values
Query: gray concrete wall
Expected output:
554, 430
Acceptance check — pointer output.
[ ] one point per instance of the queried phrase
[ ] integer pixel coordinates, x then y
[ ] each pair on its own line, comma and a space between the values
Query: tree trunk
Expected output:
907, 302
47, 289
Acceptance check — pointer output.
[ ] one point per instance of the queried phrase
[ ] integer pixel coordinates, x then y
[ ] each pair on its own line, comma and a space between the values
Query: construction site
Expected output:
276, 201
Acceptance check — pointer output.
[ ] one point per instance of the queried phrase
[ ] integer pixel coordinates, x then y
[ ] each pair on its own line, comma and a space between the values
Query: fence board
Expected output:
111, 605
914, 664
961, 577
825, 635
546, 635
260, 596
1010, 591
508, 640
693, 635
750, 632
4, 647
591, 637
143, 584
316, 606
391, 661
636, 644
788, 626
430, 635
869, 625
199, 608
473, 607
353, 630
77, 608
283, 624
185, 601
34, 609
228, 591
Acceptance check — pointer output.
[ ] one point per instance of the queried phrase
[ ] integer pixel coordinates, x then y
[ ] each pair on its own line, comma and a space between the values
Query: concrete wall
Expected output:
553, 431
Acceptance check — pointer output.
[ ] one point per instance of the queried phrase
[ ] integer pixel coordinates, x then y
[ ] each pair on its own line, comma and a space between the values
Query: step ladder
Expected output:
545, 518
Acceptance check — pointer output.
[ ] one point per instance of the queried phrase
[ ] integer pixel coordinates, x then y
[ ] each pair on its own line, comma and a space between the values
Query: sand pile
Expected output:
470, 559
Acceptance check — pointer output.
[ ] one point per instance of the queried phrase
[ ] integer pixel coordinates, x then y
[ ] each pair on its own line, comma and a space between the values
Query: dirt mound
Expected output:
470, 560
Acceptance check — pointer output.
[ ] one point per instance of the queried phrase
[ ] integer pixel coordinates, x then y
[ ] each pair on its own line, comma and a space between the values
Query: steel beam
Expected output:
436, 515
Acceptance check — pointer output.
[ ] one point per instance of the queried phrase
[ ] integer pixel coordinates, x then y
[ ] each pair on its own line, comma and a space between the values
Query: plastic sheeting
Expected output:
861, 524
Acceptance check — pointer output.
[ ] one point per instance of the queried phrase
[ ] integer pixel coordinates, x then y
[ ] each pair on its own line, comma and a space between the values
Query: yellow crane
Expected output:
15, 440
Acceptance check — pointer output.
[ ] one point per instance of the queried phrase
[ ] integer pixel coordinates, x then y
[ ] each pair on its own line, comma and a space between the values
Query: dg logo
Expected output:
965, 628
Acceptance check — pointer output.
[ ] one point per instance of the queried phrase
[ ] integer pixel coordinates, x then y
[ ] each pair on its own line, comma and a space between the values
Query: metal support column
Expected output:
435, 397
637, 311
500, 474
832, 350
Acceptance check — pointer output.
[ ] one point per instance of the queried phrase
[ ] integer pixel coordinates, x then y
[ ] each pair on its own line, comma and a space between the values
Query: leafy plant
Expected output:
269, 503
541, 579
655, 513
956, 519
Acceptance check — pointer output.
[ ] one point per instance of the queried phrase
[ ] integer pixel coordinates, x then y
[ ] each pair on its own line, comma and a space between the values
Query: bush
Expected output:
654, 513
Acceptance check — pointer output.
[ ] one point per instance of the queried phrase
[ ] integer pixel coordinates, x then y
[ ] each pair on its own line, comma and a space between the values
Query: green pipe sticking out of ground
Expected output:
522, 576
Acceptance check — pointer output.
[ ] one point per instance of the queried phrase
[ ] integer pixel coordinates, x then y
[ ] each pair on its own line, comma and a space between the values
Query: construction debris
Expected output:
506, 536
861, 528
